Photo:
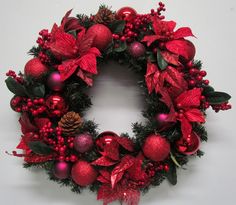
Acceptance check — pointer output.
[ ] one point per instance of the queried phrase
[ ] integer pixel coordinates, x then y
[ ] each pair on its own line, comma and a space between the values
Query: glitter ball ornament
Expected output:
156, 148
83, 173
105, 138
54, 81
102, 36
35, 69
137, 49
189, 145
126, 13
83, 143
56, 105
61, 170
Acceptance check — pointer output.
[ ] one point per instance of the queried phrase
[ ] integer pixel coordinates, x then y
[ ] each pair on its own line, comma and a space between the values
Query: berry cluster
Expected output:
223, 106
154, 167
18, 78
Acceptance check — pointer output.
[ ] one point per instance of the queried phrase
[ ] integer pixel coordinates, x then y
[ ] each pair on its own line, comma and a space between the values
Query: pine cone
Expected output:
70, 123
104, 15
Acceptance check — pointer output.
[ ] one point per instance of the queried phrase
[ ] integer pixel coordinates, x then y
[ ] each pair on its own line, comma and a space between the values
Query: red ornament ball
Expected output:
191, 51
189, 145
56, 105
126, 13
105, 138
156, 148
102, 36
83, 143
35, 69
83, 173
54, 81
137, 49
61, 170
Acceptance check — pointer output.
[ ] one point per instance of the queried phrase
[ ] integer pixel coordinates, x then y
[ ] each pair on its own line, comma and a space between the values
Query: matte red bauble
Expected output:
189, 145
137, 49
61, 170
56, 106
35, 69
54, 81
83, 143
156, 148
83, 173
103, 36
126, 13
191, 50
105, 138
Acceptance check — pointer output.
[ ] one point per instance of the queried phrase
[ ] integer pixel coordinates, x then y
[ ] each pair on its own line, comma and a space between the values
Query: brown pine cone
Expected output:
104, 15
70, 123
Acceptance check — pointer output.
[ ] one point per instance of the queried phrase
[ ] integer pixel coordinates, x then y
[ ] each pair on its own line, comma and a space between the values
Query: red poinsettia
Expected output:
123, 182
164, 31
76, 53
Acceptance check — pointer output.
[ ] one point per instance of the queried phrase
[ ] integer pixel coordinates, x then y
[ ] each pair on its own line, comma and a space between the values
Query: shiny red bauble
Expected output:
83, 173
105, 138
137, 49
126, 13
83, 143
54, 81
61, 170
189, 145
35, 69
102, 36
156, 148
56, 105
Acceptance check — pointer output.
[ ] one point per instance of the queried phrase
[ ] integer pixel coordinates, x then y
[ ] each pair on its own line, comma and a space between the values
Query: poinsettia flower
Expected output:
164, 31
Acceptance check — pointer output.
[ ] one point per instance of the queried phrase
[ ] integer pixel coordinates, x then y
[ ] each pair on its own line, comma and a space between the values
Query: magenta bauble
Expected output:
188, 145
83, 143
137, 49
83, 173
102, 36
156, 147
35, 69
54, 81
126, 13
61, 170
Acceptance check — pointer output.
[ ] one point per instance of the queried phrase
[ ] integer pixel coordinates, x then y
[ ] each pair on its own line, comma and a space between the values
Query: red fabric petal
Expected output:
34, 158
26, 125
86, 77
41, 122
84, 42
194, 115
189, 99
136, 172
126, 143
179, 47
182, 33
152, 77
131, 196
103, 161
67, 68
112, 151
106, 175
64, 19
70, 23
150, 39
88, 63
170, 58
186, 127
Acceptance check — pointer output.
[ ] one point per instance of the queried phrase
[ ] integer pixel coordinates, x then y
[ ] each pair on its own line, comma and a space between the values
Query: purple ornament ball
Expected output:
83, 143
61, 170
137, 49
54, 81
161, 119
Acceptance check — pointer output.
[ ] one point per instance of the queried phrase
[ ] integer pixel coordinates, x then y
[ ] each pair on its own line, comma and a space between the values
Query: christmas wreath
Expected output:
51, 98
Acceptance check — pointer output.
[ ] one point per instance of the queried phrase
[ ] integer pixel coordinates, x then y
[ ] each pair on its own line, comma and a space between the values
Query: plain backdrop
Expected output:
117, 100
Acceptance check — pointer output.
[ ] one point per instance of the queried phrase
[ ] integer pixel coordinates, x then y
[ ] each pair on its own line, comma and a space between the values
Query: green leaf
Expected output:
215, 98
15, 87
39, 91
39, 147
122, 47
174, 160
160, 61
73, 33
118, 26
207, 89
171, 174
151, 57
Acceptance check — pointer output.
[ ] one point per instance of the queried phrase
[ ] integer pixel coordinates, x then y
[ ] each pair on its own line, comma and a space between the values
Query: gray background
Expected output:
210, 180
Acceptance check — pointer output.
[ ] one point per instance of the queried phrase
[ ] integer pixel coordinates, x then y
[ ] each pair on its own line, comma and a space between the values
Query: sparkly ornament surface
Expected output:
83, 173
35, 69
189, 145
156, 148
126, 13
105, 138
137, 49
102, 36
54, 81
83, 143
56, 105
61, 170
